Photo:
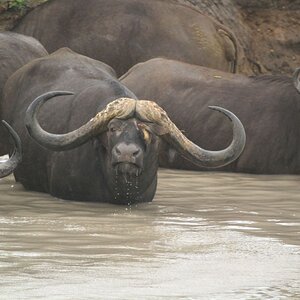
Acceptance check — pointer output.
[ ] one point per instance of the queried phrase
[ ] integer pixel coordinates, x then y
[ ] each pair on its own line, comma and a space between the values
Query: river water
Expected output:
205, 236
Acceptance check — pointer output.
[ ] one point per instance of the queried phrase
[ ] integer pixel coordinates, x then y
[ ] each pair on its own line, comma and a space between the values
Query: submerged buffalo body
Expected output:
268, 106
105, 141
15, 51
122, 33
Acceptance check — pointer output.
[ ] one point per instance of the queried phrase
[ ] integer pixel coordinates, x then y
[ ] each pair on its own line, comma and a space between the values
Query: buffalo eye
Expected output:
113, 129
115, 126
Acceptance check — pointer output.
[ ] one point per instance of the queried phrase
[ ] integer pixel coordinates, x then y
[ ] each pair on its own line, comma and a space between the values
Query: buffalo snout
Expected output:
127, 153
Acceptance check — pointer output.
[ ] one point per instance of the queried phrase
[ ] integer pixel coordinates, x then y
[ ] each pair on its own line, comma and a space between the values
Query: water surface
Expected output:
205, 236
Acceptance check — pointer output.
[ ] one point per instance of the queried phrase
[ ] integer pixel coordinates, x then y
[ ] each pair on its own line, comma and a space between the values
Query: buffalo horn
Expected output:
8, 166
120, 108
151, 112
296, 79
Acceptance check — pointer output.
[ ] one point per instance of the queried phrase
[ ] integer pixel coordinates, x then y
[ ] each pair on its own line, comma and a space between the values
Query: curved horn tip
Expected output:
222, 110
297, 70
17, 153
45, 97
5, 124
10, 130
218, 108
37, 102
52, 94
296, 79
62, 92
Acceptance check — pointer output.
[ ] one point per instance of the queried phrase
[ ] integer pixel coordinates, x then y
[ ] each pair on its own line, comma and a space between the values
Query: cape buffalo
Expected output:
122, 33
118, 135
8, 166
15, 51
268, 106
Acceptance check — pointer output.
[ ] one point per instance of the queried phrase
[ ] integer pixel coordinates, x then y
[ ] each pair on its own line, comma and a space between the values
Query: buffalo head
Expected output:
127, 134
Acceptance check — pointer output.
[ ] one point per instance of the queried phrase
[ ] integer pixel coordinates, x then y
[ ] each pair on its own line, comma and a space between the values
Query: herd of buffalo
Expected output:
91, 90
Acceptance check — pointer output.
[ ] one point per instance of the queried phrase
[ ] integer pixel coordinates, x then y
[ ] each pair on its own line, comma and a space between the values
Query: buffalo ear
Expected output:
167, 155
296, 79
172, 153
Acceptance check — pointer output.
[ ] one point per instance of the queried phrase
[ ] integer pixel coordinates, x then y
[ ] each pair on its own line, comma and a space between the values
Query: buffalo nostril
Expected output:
136, 153
118, 151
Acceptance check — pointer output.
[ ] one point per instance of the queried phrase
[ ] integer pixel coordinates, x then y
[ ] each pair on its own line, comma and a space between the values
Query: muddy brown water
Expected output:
205, 236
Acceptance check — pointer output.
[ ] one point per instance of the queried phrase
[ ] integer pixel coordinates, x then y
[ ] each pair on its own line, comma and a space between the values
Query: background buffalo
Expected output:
267, 30
122, 33
268, 106
15, 51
